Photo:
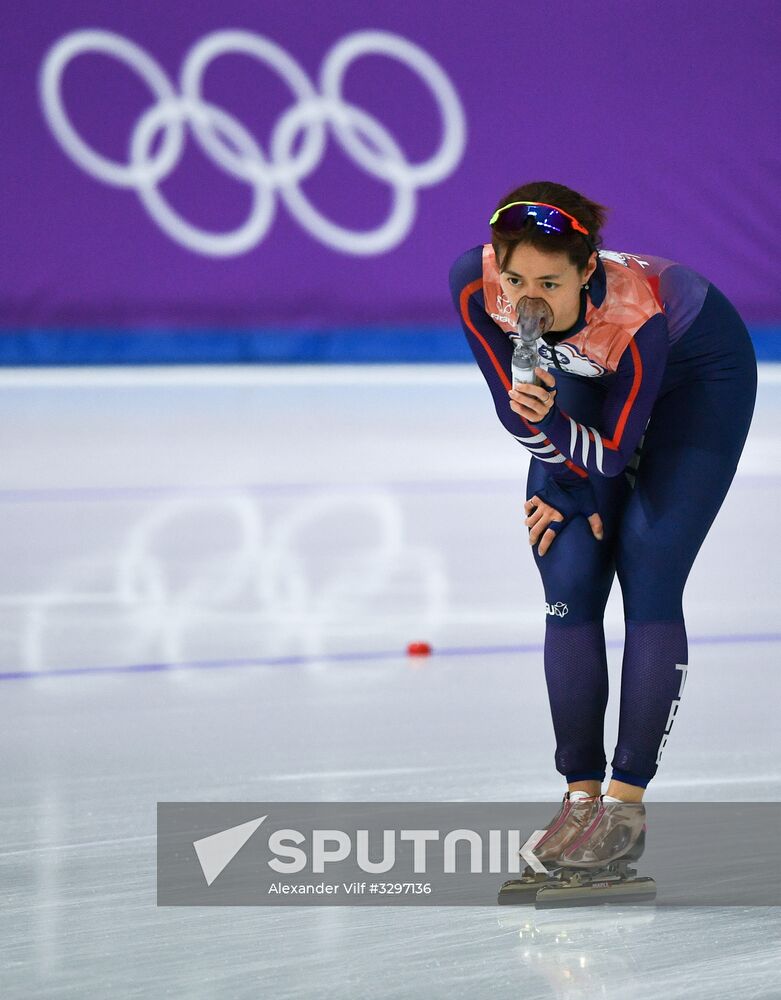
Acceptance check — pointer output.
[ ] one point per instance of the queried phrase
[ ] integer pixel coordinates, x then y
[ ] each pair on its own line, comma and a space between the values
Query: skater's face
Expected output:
550, 276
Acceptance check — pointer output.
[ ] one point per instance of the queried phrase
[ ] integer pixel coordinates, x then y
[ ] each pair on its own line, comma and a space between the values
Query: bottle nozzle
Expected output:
534, 319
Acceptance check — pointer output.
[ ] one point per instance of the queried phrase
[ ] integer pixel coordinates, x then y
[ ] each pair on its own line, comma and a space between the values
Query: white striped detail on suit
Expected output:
579, 430
586, 444
539, 449
533, 439
598, 449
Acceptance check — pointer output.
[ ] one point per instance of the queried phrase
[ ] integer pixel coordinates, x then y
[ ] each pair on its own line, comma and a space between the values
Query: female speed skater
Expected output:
635, 430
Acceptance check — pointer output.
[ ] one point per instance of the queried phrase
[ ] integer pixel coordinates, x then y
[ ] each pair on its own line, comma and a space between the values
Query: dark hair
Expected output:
587, 212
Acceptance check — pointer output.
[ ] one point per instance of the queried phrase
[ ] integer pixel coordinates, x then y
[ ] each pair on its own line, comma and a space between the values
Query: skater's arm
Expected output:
492, 350
606, 450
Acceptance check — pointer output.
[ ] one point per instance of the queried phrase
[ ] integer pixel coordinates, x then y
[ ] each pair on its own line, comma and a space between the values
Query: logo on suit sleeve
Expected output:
571, 360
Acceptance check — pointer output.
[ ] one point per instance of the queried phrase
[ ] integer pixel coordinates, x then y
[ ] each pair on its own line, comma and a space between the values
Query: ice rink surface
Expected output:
208, 582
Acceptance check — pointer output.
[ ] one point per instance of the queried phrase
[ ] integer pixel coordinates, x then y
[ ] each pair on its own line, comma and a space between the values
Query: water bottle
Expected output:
525, 359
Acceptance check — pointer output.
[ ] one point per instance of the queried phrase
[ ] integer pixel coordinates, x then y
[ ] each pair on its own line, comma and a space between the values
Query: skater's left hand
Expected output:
554, 505
533, 402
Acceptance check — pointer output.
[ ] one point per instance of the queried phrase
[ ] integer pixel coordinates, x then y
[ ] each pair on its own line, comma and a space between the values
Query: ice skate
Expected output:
574, 816
593, 868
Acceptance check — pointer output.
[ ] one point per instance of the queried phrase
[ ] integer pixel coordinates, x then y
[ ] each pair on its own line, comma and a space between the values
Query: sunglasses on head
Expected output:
510, 218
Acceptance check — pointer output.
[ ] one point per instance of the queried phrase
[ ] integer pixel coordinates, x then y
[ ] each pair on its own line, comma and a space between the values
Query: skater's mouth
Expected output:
534, 315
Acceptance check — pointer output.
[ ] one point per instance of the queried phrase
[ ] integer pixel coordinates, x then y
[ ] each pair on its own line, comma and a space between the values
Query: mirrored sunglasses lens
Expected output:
549, 219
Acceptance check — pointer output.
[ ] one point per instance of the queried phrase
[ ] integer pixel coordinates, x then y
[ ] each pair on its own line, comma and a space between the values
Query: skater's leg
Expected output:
657, 545
692, 446
577, 574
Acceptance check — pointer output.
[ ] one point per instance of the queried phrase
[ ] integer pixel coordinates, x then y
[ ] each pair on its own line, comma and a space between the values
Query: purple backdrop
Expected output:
666, 112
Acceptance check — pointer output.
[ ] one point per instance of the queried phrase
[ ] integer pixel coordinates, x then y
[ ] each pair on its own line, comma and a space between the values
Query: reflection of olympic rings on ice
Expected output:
197, 578
231, 146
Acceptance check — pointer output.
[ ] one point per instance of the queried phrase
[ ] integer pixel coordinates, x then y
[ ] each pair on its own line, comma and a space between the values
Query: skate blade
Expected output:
639, 890
518, 892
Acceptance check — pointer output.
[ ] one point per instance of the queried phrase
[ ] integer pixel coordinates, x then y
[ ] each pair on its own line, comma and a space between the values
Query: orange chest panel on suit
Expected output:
631, 299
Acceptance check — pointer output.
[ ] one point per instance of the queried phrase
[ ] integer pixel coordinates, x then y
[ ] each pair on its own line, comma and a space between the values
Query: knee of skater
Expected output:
575, 600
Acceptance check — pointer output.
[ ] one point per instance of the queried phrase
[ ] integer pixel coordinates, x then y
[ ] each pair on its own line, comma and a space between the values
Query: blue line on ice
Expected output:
359, 657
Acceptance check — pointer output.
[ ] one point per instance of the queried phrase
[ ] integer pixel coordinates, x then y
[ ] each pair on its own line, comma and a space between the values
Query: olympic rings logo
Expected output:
231, 146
